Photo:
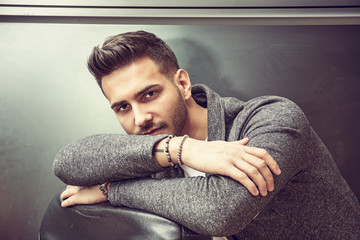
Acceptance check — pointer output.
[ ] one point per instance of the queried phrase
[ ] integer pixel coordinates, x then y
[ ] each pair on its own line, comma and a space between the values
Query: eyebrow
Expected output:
142, 91
145, 89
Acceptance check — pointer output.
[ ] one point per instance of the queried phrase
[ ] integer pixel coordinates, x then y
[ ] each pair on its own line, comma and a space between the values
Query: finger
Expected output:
263, 169
263, 154
244, 141
241, 177
64, 194
70, 191
69, 201
254, 174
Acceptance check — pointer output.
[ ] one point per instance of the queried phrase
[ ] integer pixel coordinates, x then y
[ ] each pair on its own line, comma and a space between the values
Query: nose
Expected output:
141, 117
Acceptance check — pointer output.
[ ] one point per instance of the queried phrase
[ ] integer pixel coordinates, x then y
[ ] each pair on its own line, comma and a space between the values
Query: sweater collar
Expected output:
209, 99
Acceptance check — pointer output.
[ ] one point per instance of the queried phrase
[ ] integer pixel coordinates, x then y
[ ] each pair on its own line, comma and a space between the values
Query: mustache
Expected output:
150, 126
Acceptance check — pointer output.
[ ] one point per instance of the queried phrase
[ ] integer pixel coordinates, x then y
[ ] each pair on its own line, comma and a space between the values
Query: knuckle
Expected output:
253, 171
262, 165
242, 176
263, 152
225, 169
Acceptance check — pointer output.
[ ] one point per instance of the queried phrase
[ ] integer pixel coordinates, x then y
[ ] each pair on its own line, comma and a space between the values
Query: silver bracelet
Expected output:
180, 149
172, 164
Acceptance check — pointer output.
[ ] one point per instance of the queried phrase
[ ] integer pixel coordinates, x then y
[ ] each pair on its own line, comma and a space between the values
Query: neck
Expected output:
196, 123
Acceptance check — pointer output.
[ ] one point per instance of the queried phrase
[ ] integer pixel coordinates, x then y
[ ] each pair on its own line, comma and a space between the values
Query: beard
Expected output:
180, 115
178, 119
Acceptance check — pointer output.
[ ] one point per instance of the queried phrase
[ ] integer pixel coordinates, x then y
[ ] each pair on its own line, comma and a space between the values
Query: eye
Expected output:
150, 95
122, 108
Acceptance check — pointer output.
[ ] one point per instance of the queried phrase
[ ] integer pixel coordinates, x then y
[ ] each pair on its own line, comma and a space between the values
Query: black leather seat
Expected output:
104, 221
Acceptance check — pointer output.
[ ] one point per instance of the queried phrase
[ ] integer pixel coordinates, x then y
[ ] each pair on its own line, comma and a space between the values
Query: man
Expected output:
225, 147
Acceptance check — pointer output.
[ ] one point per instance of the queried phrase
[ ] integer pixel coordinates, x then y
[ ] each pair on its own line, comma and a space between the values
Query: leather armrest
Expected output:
104, 221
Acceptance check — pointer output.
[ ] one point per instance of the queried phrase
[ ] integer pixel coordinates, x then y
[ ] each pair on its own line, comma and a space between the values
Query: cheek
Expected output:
125, 124
168, 109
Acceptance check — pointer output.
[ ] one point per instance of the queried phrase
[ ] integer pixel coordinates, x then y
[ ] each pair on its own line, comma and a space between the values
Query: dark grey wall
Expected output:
48, 99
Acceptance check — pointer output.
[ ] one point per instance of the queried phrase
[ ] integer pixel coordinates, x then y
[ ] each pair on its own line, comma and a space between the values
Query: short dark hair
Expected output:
123, 49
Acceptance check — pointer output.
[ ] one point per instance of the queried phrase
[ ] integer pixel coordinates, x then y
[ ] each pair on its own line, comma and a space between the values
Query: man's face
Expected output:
144, 100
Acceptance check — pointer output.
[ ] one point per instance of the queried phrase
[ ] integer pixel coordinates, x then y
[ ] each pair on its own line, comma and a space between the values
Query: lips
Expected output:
153, 132
153, 129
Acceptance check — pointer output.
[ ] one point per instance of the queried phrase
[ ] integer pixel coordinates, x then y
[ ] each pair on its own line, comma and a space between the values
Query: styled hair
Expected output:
121, 50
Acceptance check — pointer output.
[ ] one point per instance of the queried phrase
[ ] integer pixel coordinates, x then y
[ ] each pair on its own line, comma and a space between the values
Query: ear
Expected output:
182, 81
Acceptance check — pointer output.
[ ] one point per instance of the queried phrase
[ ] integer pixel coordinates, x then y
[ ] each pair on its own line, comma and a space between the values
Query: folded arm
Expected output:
210, 204
218, 205
107, 158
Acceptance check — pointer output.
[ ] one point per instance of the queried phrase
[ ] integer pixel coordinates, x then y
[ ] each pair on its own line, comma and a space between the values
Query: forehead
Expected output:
125, 82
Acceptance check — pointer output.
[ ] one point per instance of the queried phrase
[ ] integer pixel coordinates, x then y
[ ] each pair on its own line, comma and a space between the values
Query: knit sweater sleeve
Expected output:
217, 205
106, 157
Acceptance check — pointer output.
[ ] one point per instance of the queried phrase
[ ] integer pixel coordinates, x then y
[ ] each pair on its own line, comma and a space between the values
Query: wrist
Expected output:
159, 153
179, 152
104, 188
188, 147
175, 151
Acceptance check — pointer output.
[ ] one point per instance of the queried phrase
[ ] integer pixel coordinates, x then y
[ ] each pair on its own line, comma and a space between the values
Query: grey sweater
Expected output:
311, 200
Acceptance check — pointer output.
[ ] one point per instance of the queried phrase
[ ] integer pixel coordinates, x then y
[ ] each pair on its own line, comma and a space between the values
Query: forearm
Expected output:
106, 157
214, 205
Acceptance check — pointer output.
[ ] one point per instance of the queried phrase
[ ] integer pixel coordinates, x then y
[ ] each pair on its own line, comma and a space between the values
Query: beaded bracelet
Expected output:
172, 164
180, 148
104, 190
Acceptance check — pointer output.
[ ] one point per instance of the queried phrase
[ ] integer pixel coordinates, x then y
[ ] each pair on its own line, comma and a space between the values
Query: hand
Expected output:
251, 166
82, 195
